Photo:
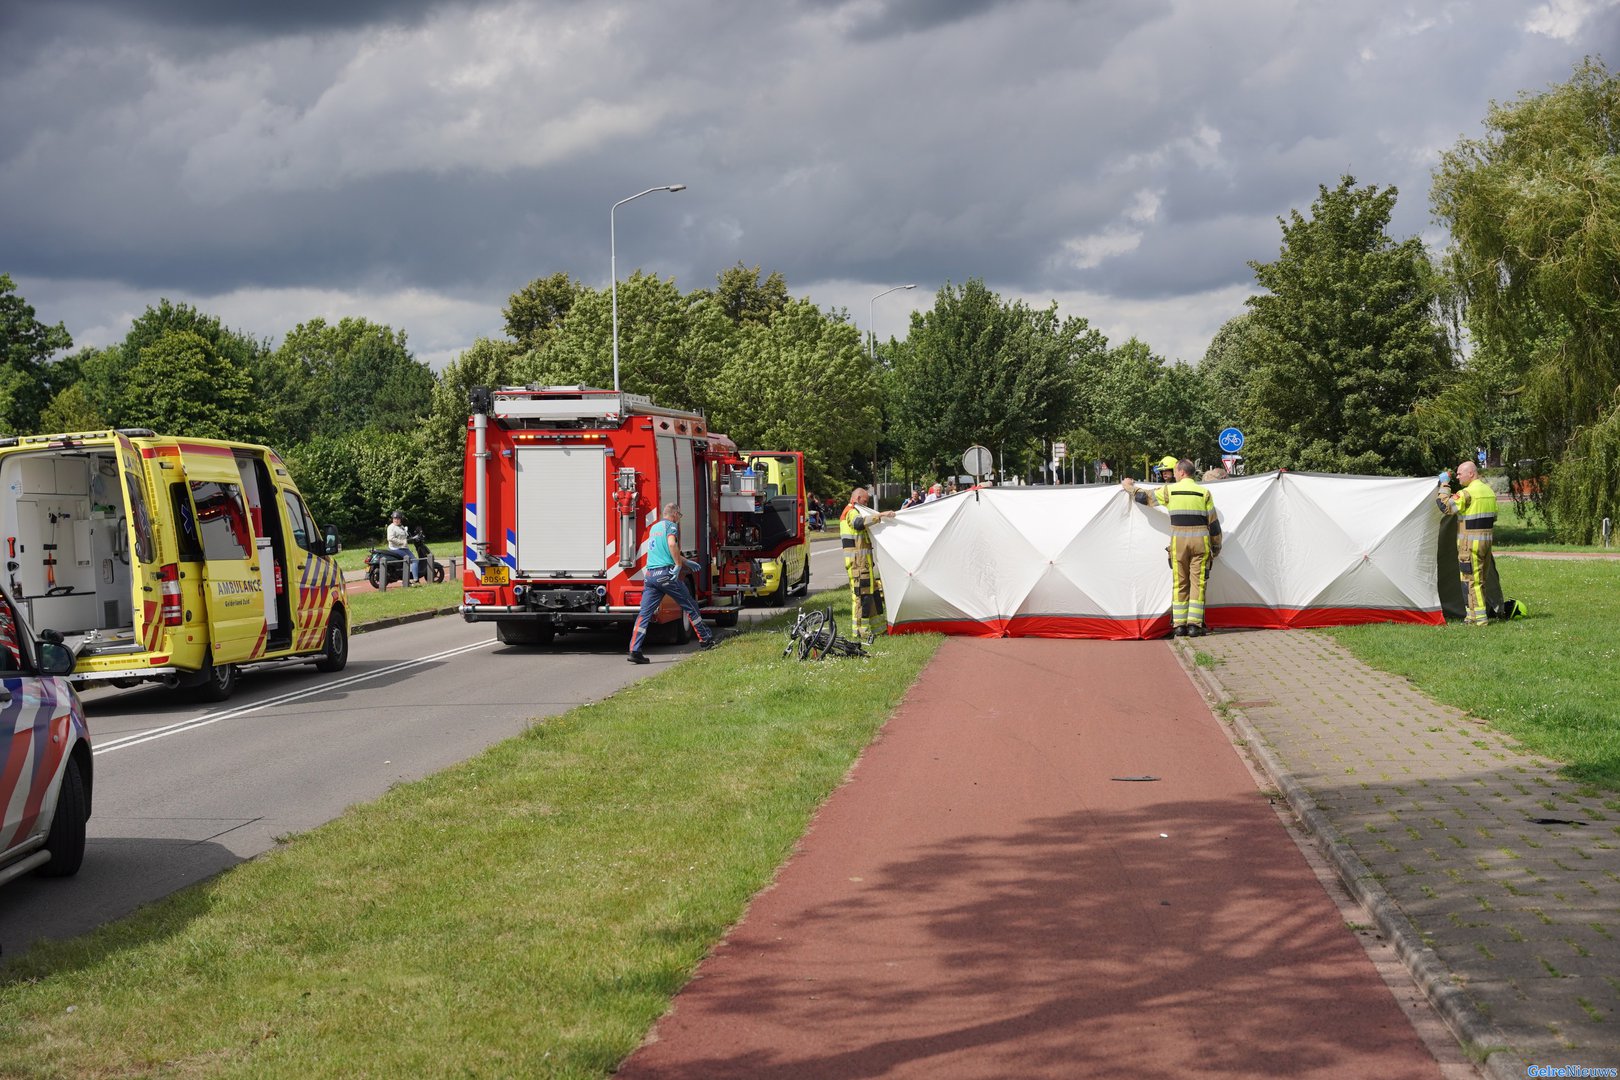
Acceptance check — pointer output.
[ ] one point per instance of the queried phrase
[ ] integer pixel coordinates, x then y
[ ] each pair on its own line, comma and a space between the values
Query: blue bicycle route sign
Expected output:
1231, 440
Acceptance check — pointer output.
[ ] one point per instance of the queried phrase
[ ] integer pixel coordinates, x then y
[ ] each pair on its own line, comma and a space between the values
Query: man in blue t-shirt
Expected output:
664, 563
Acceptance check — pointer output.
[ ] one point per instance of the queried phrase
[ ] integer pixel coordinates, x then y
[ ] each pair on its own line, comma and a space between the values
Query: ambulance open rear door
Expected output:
233, 586
147, 586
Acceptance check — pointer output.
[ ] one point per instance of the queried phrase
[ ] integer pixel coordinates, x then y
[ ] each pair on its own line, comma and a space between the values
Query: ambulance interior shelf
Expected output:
66, 546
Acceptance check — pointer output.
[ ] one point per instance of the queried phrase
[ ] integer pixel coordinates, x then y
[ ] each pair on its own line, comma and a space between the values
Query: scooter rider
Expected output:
398, 537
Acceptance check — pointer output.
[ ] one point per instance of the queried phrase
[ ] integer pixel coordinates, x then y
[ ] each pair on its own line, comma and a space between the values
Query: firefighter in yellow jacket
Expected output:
1475, 507
853, 524
1195, 540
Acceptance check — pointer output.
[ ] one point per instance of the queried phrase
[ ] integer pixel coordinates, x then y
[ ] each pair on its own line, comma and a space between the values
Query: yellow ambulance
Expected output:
789, 571
167, 559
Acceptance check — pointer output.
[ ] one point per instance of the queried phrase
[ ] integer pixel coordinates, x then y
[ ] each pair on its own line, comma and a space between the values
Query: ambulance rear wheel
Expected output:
218, 683
336, 654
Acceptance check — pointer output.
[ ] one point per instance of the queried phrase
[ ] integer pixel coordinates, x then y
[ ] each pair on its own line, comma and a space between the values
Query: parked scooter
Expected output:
382, 561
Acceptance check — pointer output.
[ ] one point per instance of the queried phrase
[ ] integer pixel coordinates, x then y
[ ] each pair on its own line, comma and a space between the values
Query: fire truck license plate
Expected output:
496, 575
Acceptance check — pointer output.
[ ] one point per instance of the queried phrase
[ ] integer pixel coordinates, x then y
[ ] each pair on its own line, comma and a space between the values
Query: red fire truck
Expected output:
562, 484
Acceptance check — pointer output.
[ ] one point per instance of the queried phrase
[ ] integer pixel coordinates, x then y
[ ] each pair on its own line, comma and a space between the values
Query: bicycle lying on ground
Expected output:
814, 636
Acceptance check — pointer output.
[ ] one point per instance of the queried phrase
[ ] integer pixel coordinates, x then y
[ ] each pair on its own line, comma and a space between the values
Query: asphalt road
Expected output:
185, 791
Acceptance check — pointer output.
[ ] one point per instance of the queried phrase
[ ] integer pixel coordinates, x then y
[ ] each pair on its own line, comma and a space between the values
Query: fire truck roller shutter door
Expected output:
669, 480
684, 453
561, 509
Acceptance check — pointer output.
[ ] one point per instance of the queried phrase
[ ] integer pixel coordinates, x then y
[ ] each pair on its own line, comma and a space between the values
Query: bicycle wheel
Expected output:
812, 631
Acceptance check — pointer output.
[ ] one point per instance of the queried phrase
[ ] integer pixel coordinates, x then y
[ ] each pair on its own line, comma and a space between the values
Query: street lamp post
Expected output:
871, 331
613, 260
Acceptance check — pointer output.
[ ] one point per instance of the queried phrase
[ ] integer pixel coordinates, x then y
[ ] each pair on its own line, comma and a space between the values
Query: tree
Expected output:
324, 470
225, 354
1117, 403
800, 381
71, 410
1182, 417
1346, 340
1225, 369
442, 437
327, 379
180, 384
654, 320
1088, 351
745, 299
352, 482
976, 370
1534, 212
376, 381
26, 347
769, 370
534, 312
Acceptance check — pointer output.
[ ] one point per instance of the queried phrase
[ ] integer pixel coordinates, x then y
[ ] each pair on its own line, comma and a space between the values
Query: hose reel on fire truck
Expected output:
624, 501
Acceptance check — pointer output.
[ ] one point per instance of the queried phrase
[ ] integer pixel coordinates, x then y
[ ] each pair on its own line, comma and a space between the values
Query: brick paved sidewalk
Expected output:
1497, 879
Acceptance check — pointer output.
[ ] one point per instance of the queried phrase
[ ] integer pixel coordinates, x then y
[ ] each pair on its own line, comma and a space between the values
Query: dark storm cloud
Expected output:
1205, 255
890, 18
282, 16
1139, 152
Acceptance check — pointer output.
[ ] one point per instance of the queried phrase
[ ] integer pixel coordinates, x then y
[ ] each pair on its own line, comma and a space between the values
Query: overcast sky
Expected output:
416, 162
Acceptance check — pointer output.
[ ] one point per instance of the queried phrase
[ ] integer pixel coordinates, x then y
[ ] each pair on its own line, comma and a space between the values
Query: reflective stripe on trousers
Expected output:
862, 592
1474, 562
1189, 564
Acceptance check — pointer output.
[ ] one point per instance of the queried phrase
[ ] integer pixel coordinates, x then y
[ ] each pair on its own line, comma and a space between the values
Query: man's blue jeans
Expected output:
664, 581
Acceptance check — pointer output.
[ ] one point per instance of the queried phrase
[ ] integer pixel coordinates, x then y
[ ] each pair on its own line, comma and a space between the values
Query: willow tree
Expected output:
1534, 212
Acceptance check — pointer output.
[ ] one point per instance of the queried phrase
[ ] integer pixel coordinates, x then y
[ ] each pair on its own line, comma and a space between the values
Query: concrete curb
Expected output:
401, 620
1479, 1038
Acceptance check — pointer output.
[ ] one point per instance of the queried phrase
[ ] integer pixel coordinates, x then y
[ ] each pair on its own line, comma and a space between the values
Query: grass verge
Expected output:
527, 913
368, 604
1550, 680
1514, 533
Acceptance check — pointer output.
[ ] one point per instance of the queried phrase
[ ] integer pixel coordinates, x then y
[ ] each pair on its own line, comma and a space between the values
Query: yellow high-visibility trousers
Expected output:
1474, 561
862, 592
1189, 564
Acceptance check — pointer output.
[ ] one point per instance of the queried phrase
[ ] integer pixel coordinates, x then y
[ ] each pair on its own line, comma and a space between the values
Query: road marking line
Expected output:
297, 695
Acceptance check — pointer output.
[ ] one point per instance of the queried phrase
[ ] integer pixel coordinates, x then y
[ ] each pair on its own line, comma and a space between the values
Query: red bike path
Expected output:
989, 895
